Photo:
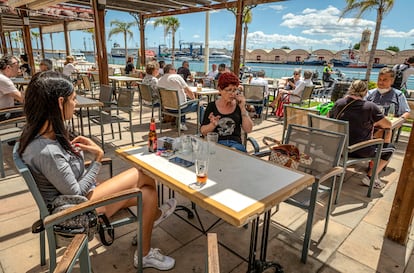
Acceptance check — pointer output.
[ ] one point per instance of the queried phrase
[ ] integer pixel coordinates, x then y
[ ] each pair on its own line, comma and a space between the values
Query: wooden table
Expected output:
205, 91
20, 82
84, 102
396, 124
120, 79
237, 190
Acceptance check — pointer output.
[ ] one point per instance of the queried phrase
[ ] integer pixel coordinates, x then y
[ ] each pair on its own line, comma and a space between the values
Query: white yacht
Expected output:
79, 56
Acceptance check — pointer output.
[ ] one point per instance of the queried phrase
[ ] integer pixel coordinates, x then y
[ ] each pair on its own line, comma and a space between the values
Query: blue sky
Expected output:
307, 24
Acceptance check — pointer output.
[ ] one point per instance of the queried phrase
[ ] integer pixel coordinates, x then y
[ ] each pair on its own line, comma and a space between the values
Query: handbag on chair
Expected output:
286, 154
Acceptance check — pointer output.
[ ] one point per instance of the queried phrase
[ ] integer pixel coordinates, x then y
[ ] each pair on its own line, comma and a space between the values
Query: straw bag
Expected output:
286, 154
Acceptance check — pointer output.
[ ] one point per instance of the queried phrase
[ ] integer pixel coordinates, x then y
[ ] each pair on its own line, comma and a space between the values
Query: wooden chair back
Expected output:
253, 92
169, 99
295, 115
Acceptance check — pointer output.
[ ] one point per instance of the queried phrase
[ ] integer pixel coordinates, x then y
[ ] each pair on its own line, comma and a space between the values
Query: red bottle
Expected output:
152, 137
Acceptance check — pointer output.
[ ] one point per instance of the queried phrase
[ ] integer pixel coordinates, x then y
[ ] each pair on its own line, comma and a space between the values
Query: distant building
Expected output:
298, 56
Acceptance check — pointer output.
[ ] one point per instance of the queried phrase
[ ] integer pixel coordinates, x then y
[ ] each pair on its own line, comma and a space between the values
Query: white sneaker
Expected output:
166, 210
183, 127
155, 260
377, 183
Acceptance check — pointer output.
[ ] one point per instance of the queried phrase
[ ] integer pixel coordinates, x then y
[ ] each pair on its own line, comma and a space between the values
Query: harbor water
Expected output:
276, 71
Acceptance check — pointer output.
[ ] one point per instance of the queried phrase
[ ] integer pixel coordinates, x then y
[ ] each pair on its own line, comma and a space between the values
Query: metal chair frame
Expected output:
49, 220
341, 126
146, 95
170, 101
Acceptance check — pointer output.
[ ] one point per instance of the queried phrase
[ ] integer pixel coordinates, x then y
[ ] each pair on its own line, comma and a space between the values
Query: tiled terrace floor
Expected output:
354, 242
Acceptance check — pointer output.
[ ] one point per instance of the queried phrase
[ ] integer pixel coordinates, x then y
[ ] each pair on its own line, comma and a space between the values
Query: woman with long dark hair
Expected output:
57, 162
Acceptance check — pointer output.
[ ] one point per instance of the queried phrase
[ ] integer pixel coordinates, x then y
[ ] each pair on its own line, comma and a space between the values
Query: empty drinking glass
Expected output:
212, 139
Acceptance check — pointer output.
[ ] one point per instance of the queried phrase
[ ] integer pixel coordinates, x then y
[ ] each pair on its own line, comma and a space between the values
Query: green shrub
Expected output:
372, 85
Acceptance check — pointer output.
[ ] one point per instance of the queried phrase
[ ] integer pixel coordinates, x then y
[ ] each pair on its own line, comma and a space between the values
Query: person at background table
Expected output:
407, 69
129, 67
171, 80
57, 163
25, 67
184, 71
363, 116
45, 65
260, 80
294, 94
9, 68
69, 66
221, 70
161, 69
211, 75
228, 115
327, 75
151, 77
384, 95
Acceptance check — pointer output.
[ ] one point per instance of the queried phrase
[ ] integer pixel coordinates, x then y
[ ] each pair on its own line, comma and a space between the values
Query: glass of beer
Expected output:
199, 87
201, 169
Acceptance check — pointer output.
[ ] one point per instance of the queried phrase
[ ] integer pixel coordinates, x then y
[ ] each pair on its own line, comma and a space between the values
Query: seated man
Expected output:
384, 96
211, 75
260, 80
221, 70
9, 67
171, 80
362, 116
184, 71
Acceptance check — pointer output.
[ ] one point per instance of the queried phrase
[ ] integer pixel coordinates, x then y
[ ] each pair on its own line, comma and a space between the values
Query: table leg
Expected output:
81, 120
309, 222
261, 265
89, 122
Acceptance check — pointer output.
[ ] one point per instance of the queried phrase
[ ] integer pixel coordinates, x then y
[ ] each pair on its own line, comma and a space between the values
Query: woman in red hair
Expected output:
227, 115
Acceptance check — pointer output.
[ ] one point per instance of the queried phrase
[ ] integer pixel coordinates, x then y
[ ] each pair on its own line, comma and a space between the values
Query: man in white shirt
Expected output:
171, 80
260, 80
9, 68
211, 75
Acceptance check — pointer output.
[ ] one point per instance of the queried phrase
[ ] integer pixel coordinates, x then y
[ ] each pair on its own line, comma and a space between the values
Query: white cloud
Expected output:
196, 36
277, 7
259, 39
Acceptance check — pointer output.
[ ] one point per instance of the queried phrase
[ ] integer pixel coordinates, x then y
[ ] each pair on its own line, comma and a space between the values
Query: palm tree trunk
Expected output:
374, 44
173, 48
126, 47
245, 42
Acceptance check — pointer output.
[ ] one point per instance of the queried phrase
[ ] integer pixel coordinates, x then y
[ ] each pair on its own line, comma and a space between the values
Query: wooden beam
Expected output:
100, 38
67, 38
42, 44
237, 37
401, 216
142, 39
19, 3
27, 39
2, 37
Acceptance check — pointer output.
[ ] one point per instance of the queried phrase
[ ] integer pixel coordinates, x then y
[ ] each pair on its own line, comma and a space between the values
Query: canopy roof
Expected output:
171, 7
50, 18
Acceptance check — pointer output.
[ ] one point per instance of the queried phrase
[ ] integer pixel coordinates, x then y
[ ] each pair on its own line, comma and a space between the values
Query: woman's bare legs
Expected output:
129, 179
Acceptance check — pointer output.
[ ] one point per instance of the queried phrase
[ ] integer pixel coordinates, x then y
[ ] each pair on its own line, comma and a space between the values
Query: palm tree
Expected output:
124, 28
36, 36
361, 6
247, 19
92, 32
17, 39
170, 24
